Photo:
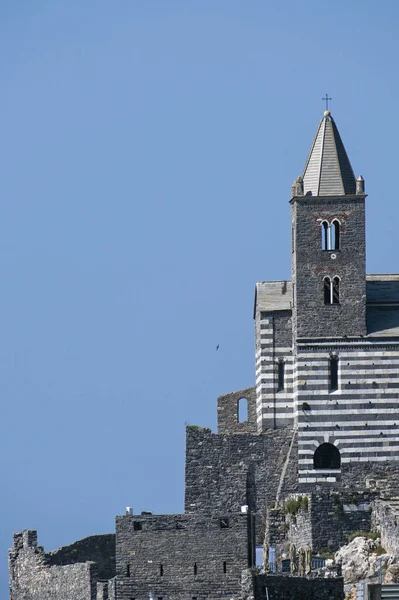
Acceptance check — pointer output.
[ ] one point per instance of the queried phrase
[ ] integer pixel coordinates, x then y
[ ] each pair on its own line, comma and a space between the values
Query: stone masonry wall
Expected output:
182, 556
224, 472
228, 421
273, 332
336, 516
65, 574
329, 519
97, 548
313, 318
386, 520
297, 588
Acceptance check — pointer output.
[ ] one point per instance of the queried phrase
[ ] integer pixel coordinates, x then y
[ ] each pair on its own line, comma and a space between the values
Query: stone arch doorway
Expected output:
327, 456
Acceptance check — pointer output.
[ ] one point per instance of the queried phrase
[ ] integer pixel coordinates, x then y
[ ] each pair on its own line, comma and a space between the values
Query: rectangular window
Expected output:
333, 374
224, 523
281, 376
127, 570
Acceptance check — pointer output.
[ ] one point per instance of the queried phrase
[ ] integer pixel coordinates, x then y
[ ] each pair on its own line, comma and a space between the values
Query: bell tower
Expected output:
328, 242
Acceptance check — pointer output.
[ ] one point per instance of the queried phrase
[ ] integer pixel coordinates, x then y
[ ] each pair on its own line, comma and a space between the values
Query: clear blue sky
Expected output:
147, 153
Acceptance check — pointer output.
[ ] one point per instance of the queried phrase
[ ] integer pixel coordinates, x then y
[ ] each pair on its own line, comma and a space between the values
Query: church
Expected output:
327, 342
316, 456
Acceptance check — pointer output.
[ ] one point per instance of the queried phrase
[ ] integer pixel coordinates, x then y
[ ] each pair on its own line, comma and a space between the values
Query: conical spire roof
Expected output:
328, 171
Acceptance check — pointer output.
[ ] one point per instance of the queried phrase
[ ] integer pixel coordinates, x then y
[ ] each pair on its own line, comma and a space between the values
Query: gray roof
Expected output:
382, 321
382, 289
328, 171
273, 295
382, 293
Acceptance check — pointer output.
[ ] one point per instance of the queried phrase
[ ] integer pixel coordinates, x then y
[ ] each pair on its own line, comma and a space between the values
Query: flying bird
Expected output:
217, 347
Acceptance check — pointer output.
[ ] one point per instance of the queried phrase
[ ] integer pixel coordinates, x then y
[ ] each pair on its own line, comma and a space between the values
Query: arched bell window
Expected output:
331, 290
324, 235
334, 235
330, 235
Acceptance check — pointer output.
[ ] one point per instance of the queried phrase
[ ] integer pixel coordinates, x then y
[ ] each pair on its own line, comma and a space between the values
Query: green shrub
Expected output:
379, 550
338, 505
326, 553
371, 535
292, 507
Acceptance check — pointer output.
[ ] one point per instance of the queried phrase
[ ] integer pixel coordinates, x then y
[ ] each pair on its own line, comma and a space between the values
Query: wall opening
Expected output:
324, 235
331, 290
335, 235
333, 374
224, 523
259, 556
330, 235
224, 567
327, 290
281, 376
242, 410
128, 570
327, 456
161, 570
195, 569
335, 290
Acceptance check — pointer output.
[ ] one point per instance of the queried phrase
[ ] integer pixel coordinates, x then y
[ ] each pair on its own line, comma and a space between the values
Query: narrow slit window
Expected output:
195, 569
161, 570
324, 236
335, 290
327, 290
127, 570
333, 374
224, 567
281, 376
335, 235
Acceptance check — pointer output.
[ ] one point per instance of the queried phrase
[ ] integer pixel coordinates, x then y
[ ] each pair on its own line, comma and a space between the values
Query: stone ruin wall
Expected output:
225, 472
69, 573
385, 519
330, 518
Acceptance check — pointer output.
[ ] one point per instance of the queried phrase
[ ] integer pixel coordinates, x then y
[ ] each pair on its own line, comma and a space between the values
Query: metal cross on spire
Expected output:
326, 99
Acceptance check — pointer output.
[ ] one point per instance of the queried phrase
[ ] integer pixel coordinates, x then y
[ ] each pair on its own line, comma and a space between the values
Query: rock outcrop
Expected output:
359, 560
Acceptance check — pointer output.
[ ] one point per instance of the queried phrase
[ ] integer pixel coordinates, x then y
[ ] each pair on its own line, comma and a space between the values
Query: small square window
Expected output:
137, 526
224, 523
